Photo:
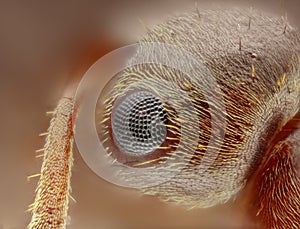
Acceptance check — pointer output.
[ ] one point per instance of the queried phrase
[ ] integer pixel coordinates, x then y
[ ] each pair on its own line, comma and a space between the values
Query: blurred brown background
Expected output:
43, 47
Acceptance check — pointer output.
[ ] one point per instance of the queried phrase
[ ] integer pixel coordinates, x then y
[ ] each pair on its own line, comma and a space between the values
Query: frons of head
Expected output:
257, 69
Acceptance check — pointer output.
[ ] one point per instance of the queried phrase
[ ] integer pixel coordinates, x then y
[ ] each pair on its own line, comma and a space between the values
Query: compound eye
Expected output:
140, 129
138, 124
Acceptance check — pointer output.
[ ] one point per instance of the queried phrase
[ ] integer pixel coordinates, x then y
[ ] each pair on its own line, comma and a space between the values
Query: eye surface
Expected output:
138, 123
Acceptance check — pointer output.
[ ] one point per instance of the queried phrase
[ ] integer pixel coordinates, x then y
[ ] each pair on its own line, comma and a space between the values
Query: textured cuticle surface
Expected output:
256, 66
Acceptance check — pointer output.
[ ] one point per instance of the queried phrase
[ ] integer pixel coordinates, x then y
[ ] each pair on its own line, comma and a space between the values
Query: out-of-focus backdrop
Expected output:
44, 46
